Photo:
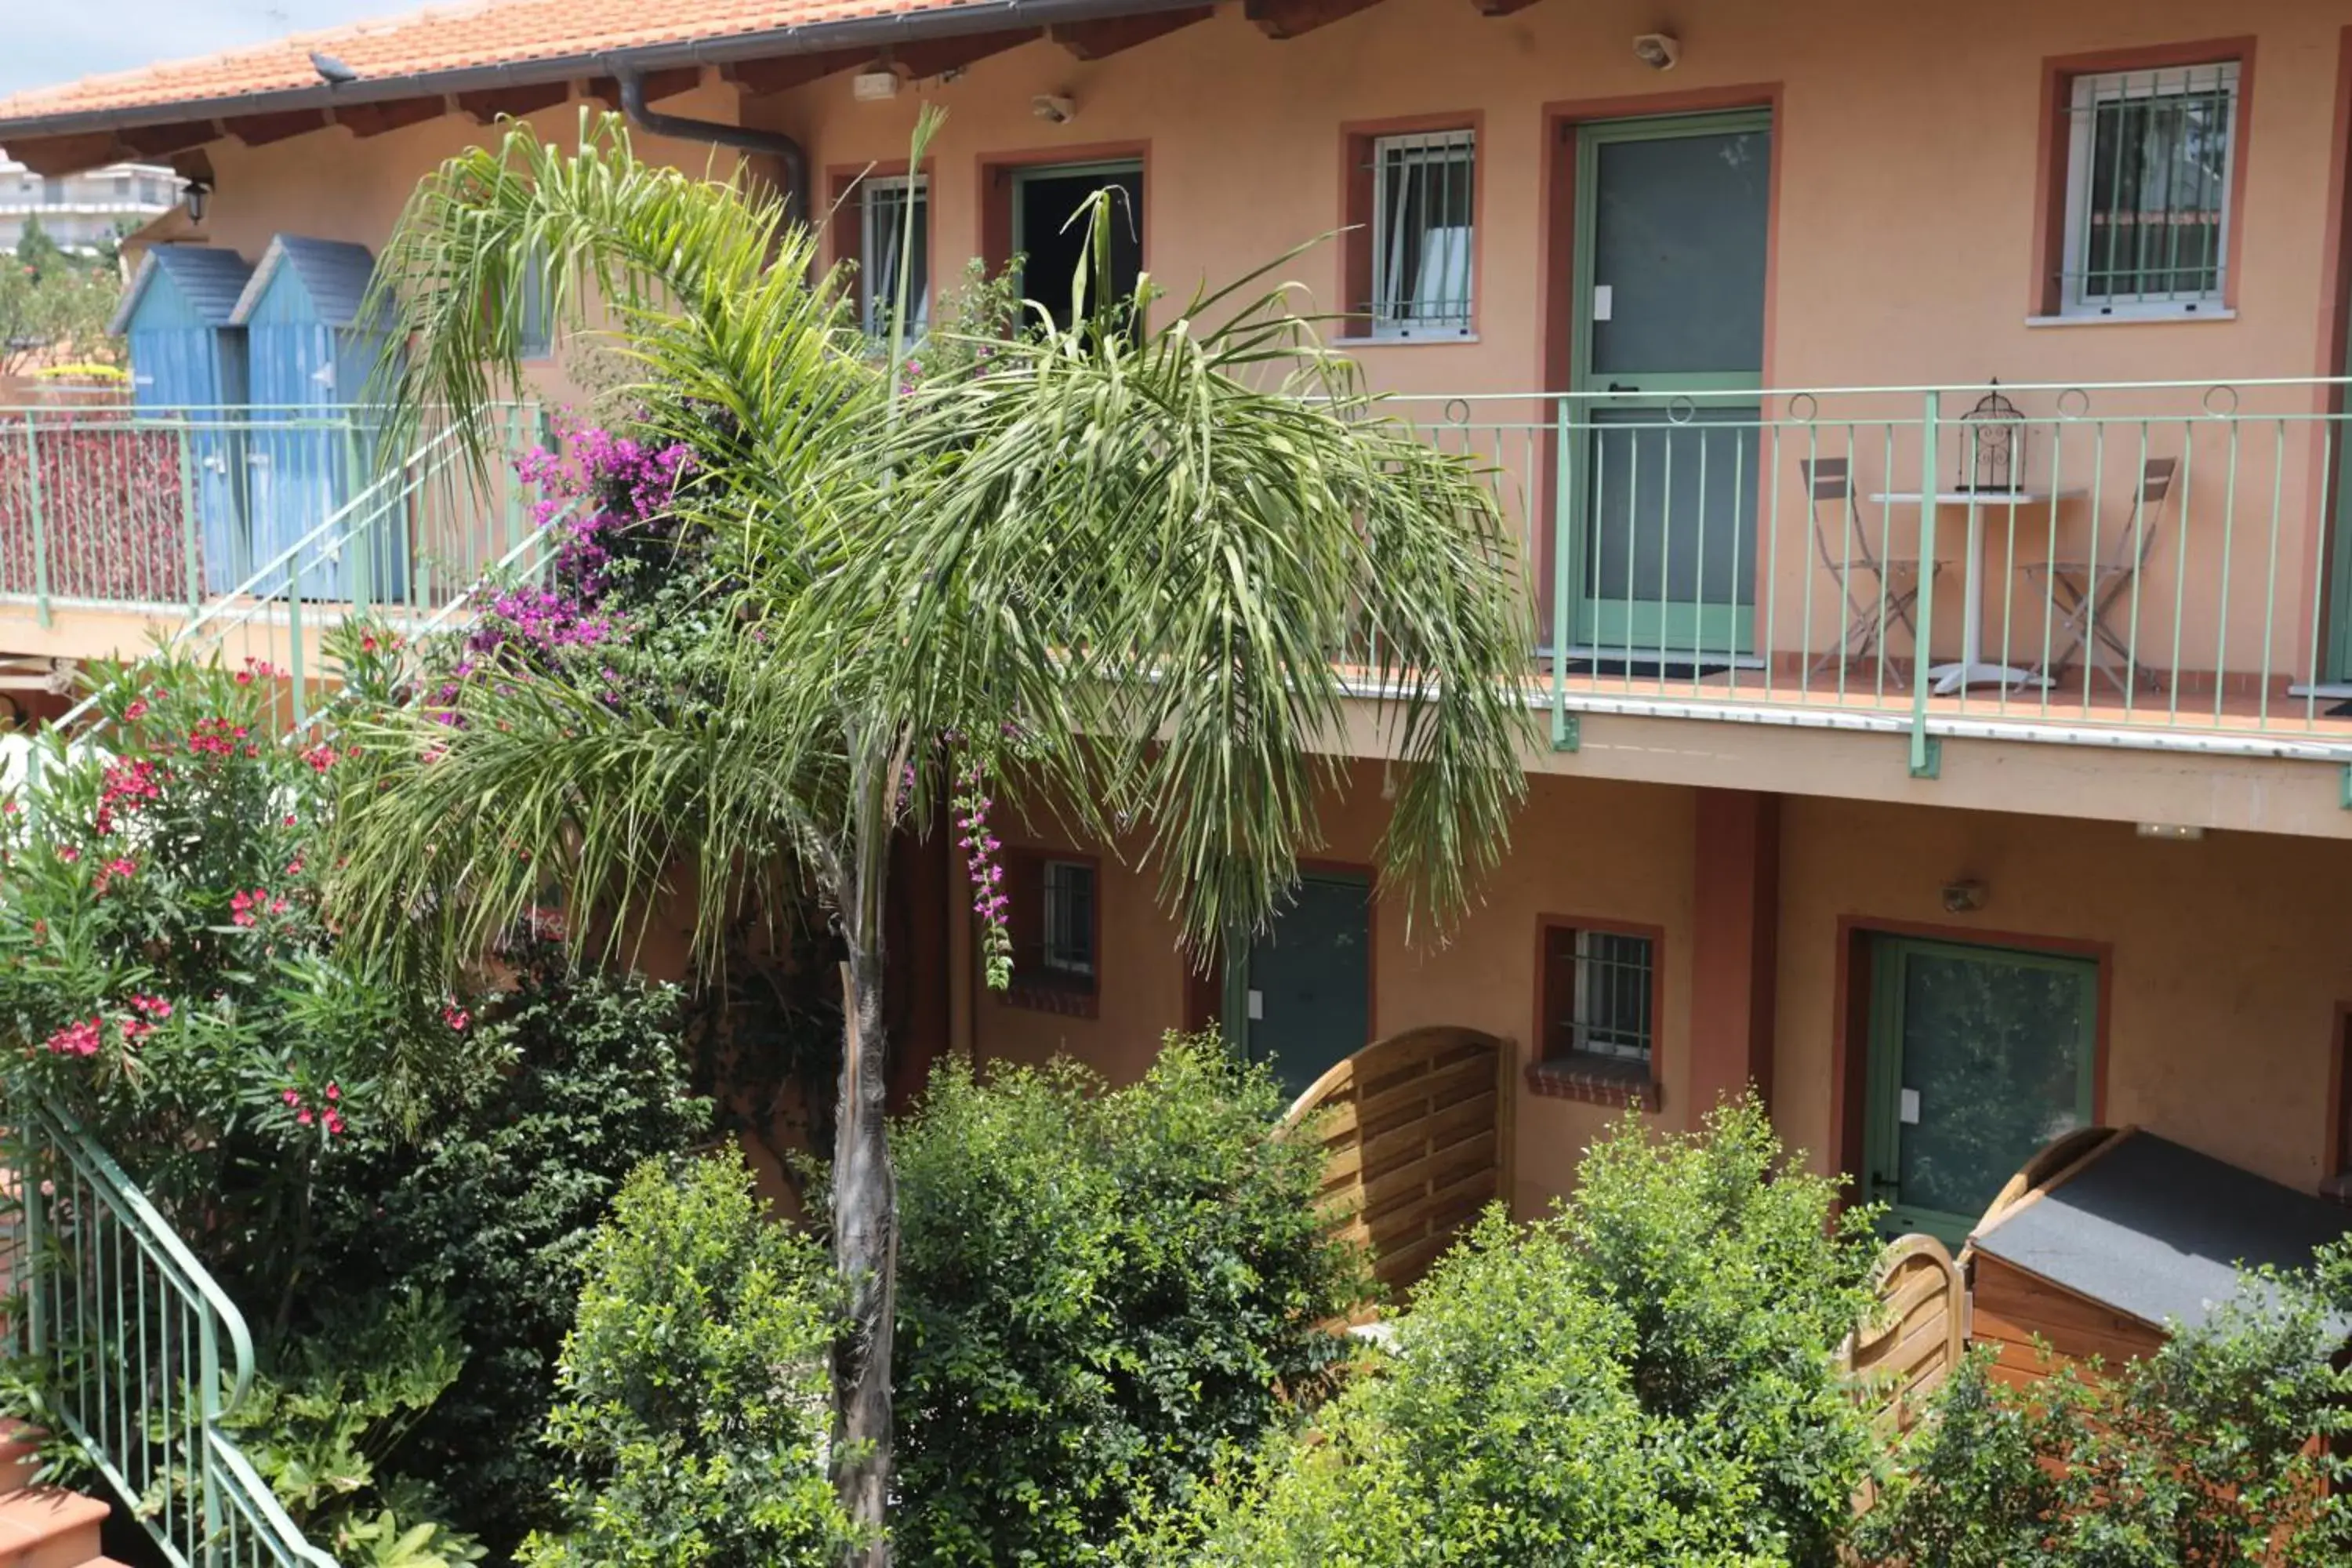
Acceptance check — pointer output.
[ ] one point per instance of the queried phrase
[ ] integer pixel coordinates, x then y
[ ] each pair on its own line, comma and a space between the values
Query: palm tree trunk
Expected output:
865, 1195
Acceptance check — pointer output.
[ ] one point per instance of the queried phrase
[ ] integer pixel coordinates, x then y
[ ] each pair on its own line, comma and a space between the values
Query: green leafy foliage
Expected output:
53, 306
1647, 1376
335, 1144
1097, 1291
492, 1209
321, 1425
1740, 1278
2214, 1452
384, 1541
694, 1405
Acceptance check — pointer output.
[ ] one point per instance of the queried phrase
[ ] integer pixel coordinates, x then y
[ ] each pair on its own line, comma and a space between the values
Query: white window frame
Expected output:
2087, 93
1387, 248
919, 188
1607, 1040
1069, 947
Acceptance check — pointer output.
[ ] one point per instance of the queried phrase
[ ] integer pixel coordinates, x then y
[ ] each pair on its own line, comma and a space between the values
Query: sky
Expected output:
43, 42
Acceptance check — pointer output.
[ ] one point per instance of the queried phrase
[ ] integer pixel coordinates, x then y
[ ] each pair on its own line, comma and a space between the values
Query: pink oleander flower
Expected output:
81, 1038
455, 1017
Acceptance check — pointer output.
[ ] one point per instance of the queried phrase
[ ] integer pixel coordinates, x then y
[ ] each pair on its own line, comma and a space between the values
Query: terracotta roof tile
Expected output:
444, 38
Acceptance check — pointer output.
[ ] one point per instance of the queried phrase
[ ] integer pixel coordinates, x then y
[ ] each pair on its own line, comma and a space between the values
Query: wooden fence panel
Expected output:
1417, 1129
1918, 1336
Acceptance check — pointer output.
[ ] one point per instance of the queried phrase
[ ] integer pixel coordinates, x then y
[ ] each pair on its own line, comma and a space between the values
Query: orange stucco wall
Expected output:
1908, 151
1908, 148
1591, 849
2226, 957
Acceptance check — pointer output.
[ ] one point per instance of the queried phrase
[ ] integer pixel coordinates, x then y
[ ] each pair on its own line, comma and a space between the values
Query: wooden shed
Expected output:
312, 348
187, 366
2109, 1235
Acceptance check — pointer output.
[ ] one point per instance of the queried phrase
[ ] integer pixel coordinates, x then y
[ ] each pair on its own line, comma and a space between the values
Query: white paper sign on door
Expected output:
1604, 301
1910, 1109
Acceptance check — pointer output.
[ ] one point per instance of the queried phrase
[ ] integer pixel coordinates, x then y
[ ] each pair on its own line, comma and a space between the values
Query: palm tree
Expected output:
1111, 573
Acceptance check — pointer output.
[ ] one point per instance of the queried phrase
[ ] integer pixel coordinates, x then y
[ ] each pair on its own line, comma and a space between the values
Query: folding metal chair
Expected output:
1892, 590
2085, 591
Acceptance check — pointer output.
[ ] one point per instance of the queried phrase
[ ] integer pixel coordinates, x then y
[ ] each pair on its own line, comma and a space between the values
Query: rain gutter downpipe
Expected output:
719, 134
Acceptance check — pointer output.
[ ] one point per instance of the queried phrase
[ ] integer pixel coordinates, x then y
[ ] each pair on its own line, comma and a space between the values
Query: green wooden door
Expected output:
1672, 223
1306, 993
1979, 1057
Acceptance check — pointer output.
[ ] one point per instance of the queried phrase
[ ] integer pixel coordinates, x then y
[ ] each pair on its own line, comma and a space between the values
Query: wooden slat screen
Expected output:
1417, 1128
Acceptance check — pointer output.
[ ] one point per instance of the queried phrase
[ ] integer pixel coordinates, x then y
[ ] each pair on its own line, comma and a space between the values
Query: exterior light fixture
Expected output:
875, 86
2177, 832
1053, 108
198, 197
1659, 51
1963, 897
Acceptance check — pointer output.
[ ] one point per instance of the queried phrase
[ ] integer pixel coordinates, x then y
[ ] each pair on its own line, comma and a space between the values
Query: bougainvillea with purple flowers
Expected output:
609, 497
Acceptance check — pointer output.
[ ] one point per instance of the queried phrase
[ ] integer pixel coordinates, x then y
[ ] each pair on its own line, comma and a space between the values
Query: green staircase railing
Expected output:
143, 1354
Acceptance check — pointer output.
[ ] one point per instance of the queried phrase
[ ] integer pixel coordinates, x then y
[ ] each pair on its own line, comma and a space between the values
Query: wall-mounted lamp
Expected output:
1053, 108
2179, 832
198, 195
875, 86
1659, 51
1964, 897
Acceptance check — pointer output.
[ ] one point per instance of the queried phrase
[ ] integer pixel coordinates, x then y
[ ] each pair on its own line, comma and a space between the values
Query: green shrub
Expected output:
1097, 1291
491, 1210
323, 1426
1740, 1278
1645, 1377
333, 1141
696, 1408
1505, 1428
2204, 1454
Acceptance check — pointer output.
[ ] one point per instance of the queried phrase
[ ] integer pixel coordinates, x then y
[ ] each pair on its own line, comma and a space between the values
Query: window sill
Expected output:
1403, 341
1594, 1081
1043, 996
2135, 319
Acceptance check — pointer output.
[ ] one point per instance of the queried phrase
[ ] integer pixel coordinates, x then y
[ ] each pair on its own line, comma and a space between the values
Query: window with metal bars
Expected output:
1421, 218
1600, 996
2149, 162
883, 231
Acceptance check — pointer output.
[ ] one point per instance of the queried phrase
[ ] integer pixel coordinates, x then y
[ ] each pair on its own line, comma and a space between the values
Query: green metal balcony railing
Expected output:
2139, 565
142, 1355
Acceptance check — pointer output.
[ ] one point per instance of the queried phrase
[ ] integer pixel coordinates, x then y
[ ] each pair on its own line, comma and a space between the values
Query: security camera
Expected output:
1659, 51
1053, 107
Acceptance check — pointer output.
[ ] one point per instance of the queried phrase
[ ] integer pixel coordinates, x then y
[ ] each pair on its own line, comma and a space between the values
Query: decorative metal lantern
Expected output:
1993, 444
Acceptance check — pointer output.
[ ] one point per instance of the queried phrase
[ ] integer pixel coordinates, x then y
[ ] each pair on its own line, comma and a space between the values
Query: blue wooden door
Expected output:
178, 375
1309, 995
296, 458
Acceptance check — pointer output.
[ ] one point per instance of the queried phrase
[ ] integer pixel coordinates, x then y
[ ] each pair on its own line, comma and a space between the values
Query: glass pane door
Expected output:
1980, 1056
1672, 225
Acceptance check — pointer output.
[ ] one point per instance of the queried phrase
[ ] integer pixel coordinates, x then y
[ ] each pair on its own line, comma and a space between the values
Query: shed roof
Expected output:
335, 273
208, 277
2158, 1231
